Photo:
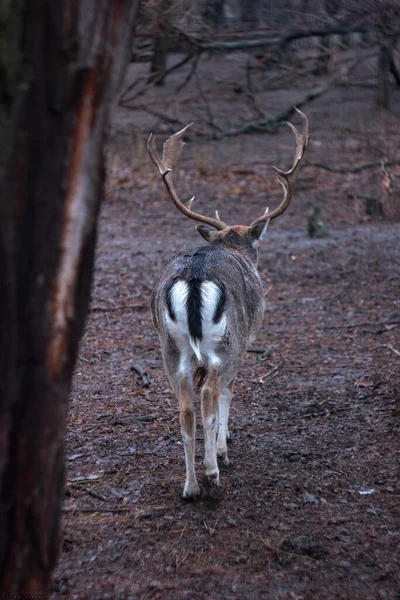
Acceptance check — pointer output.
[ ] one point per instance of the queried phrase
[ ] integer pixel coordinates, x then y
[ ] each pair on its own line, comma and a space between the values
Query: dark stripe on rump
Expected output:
193, 308
168, 302
219, 309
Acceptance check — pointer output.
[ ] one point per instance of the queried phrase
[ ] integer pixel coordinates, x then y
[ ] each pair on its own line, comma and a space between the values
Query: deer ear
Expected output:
208, 233
257, 232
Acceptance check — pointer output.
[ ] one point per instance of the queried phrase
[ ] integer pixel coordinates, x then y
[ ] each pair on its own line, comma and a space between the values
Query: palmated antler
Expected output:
287, 179
166, 165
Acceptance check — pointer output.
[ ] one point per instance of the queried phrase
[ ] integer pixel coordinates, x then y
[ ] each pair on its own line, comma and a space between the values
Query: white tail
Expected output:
207, 306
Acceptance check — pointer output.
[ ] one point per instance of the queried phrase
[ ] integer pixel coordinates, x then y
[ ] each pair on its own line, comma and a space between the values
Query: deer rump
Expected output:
210, 303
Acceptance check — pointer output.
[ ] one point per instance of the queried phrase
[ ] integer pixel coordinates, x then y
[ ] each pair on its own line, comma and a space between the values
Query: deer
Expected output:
207, 307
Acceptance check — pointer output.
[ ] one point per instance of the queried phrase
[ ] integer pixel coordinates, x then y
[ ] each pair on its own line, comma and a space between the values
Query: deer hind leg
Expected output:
188, 430
223, 432
210, 394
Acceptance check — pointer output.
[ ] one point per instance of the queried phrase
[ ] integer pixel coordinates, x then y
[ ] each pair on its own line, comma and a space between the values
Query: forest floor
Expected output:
310, 505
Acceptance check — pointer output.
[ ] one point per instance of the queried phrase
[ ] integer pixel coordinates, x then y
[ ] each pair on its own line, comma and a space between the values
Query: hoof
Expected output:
210, 490
191, 491
223, 457
211, 478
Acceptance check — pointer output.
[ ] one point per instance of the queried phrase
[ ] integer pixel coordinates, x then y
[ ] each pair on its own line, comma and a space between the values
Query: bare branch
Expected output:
358, 169
269, 122
271, 41
194, 54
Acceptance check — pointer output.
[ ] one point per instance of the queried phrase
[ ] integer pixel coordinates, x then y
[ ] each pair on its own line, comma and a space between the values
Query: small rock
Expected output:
373, 511
290, 505
344, 563
310, 498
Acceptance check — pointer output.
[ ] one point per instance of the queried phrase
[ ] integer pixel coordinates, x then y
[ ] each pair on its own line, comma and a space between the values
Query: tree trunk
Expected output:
393, 68
249, 13
158, 65
384, 61
213, 13
61, 63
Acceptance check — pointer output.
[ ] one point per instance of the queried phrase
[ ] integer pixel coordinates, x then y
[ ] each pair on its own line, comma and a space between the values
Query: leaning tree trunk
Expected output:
61, 62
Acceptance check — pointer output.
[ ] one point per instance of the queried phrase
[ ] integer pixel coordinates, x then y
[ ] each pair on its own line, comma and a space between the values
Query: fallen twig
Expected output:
143, 374
127, 420
261, 379
387, 346
278, 550
88, 491
115, 308
362, 324
97, 510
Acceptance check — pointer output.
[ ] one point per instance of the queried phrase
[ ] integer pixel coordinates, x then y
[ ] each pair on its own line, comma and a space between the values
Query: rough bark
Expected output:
61, 63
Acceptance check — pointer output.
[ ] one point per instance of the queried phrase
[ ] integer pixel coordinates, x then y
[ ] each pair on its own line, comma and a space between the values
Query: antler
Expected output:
287, 179
171, 151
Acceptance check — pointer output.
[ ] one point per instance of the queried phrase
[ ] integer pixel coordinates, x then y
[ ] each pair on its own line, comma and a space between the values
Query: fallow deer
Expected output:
207, 306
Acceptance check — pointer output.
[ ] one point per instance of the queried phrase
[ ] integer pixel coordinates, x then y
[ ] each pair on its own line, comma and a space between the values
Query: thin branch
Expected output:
211, 120
127, 420
268, 374
116, 308
362, 324
158, 114
243, 44
98, 510
144, 514
88, 491
143, 374
285, 115
388, 346
190, 74
250, 95
193, 54
358, 169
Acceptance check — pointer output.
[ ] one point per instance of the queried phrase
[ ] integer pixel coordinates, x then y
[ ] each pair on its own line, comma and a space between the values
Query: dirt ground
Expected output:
309, 508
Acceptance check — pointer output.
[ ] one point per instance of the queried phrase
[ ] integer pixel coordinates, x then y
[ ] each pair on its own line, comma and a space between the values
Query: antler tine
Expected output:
171, 152
287, 179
